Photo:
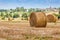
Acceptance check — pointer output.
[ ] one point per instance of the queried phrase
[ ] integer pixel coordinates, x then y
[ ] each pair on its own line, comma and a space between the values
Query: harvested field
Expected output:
21, 30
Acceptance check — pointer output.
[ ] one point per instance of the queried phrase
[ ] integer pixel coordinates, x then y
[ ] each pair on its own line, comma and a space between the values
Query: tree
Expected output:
31, 10
17, 9
3, 18
25, 10
10, 14
38, 10
24, 16
2, 14
16, 15
59, 16
6, 15
22, 9
59, 11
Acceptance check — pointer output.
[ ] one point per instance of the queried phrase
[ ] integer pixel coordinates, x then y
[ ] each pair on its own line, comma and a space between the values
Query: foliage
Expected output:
10, 15
3, 18
15, 15
59, 11
59, 16
2, 10
6, 15
24, 15
1, 14
55, 14
38, 10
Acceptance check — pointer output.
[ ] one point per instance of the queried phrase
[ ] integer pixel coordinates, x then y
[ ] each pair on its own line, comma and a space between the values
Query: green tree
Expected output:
38, 10
59, 16
22, 9
24, 16
10, 14
17, 9
2, 14
31, 10
6, 15
59, 10
3, 18
16, 15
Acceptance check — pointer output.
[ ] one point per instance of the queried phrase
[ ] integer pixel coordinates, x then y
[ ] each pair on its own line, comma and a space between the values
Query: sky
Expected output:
8, 4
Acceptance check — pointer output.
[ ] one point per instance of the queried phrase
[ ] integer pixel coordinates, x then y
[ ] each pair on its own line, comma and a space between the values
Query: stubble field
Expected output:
21, 30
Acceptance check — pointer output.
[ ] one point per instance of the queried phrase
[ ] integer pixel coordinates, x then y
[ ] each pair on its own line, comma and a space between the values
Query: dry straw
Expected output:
51, 18
38, 19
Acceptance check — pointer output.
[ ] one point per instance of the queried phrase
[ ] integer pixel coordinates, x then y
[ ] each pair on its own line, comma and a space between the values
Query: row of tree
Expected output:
15, 13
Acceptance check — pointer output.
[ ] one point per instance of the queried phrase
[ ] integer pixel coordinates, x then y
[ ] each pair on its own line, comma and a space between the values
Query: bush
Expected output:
2, 14
15, 15
10, 15
3, 18
24, 16
6, 15
58, 16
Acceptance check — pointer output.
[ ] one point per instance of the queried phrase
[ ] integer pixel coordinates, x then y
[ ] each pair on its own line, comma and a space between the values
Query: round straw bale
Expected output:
51, 18
38, 19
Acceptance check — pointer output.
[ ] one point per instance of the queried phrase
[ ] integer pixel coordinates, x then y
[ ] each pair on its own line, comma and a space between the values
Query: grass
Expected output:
32, 38
26, 36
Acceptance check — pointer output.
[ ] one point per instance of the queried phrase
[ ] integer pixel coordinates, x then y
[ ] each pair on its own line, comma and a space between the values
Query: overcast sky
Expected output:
7, 4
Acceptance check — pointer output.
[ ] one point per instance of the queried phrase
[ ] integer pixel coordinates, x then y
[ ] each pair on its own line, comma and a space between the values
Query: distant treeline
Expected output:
20, 12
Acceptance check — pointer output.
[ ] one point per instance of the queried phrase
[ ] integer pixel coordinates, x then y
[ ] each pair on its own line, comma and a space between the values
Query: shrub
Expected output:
24, 16
15, 15
59, 16
3, 18
56, 14
2, 14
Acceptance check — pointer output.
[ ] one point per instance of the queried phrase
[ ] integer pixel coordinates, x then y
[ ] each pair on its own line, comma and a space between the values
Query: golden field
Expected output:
21, 30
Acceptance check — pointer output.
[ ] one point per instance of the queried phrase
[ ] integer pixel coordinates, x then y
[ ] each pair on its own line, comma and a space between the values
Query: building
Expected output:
51, 11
